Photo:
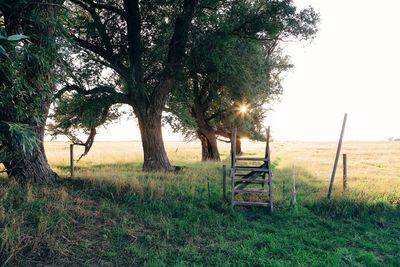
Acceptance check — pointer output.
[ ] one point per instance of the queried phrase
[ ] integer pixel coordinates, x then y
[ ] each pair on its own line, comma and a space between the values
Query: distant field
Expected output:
112, 214
373, 167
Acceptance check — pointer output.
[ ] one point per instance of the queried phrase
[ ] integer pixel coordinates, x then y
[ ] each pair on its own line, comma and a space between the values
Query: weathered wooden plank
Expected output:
249, 203
251, 159
253, 175
251, 168
250, 181
251, 191
247, 175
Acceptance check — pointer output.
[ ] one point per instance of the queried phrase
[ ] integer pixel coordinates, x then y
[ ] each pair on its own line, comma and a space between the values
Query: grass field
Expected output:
112, 214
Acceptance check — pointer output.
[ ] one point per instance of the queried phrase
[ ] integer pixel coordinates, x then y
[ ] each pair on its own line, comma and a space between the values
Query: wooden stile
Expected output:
242, 176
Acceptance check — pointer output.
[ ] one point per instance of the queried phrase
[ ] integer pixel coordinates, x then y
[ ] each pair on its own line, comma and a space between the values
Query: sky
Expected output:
352, 66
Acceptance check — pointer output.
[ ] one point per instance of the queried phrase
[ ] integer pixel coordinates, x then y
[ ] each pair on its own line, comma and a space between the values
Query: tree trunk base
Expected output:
209, 148
155, 156
31, 168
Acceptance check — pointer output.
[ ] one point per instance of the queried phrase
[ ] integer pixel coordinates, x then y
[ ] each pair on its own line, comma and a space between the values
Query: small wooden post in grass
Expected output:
337, 156
293, 201
71, 159
224, 181
233, 162
208, 188
344, 172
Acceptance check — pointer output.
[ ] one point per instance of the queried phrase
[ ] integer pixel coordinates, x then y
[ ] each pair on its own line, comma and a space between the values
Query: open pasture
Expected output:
112, 214
373, 167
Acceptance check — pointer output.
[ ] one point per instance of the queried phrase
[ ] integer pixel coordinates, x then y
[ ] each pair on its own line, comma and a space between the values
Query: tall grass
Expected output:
112, 214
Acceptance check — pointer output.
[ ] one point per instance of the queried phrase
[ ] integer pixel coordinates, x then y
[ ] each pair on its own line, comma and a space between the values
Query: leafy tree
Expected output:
139, 46
235, 59
26, 86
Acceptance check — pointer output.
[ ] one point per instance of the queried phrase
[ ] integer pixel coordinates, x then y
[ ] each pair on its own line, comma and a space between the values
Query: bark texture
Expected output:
209, 147
31, 167
155, 155
39, 87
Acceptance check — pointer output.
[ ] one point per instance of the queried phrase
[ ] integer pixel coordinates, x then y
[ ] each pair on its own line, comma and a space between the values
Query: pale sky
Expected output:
352, 66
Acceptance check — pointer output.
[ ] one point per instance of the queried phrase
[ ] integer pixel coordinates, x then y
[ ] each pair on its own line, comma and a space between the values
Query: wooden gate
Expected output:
248, 181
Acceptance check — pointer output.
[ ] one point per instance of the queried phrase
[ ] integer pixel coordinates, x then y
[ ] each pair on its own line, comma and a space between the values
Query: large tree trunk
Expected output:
31, 167
38, 88
155, 156
148, 108
209, 148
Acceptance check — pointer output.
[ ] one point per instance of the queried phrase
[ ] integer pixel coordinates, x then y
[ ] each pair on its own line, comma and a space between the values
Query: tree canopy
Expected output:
203, 57
28, 75
139, 46
235, 59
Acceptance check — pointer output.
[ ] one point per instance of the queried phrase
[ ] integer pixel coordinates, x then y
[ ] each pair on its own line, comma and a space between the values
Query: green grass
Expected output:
169, 220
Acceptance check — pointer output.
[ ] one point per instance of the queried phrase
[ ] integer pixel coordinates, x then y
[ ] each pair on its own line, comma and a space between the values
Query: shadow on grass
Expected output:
310, 195
88, 166
192, 228
170, 219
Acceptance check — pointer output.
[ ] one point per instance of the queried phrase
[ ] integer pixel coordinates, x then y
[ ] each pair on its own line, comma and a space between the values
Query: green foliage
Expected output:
75, 112
234, 58
16, 135
28, 74
168, 220
20, 134
7, 40
24, 136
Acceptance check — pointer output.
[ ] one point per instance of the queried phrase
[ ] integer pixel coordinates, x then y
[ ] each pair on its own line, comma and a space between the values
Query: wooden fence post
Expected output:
224, 181
344, 172
71, 159
293, 201
337, 156
208, 188
233, 162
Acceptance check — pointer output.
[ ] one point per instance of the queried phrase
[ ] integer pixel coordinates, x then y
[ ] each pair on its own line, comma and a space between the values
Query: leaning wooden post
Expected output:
233, 162
268, 153
337, 156
224, 181
344, 172
71, 159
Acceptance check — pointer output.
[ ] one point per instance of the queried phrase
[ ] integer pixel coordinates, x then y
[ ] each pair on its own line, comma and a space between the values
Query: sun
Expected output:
243, 109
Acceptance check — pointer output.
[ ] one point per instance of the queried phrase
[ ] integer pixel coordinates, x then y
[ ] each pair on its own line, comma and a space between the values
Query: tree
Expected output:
235, 59
27, 84
248, 122
140, 44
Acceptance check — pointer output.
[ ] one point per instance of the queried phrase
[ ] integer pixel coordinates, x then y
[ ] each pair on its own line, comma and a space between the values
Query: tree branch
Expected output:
175, 53
222, 140
108, 52
118, 97
134, 44
112, 8
111, 58
223, 134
